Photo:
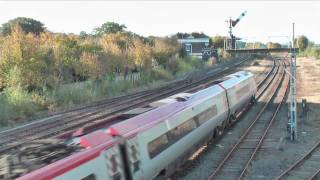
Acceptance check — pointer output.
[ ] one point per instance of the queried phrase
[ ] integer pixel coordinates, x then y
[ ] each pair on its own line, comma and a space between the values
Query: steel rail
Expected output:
194, 85
265, 133
153, 97
300, 161
40, 123
261, 81
267, 82
29, 130
268, 74
66, 114
315, 175
228, 156
50, 131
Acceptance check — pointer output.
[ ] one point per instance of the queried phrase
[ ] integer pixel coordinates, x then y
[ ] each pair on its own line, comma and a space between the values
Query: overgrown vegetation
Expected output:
43, 71
307, 48
311, 51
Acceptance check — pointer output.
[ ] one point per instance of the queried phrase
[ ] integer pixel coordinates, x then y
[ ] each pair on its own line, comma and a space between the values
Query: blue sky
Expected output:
265, 21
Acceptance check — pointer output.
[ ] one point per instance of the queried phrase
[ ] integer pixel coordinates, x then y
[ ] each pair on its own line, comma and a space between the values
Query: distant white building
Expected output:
195, 46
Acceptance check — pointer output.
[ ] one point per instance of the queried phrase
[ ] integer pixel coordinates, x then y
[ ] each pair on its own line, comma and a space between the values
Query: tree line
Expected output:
32, 57
44, 71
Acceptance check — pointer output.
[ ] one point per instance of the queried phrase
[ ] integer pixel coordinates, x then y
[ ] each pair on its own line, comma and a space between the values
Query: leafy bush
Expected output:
302, 42
183, 67
311, 51
161, 74
16, 104
196, 63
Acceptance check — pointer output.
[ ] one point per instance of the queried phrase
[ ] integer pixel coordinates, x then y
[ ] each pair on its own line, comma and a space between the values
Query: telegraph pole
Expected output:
293, 103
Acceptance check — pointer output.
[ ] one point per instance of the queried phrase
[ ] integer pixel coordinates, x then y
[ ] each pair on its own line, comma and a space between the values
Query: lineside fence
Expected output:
133, 77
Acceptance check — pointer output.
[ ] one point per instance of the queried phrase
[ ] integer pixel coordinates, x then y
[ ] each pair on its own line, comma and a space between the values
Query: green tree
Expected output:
24, 55
180, 35
271, 45
255, 45
199, 35
67, 54
302, 42
116, 44
90, 66
83, 34
109, 28
28, 25
141, 54
218, 41
164, 48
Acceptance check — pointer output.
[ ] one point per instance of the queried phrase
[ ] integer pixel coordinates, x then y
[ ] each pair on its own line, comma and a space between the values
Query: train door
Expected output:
134, 156
114, 163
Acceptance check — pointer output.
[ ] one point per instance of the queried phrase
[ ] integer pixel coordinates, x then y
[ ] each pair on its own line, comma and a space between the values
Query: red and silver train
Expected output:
158, 140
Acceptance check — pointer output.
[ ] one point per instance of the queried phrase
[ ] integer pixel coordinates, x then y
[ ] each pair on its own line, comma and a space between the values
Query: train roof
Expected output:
171, 99
234, 79
176, 104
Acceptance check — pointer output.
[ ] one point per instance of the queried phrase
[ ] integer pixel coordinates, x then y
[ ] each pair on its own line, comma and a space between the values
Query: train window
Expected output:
156, 146
244, 90
89, 177
181, 130
207, 114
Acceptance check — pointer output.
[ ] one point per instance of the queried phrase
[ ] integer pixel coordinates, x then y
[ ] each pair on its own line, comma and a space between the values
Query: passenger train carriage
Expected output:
156, 142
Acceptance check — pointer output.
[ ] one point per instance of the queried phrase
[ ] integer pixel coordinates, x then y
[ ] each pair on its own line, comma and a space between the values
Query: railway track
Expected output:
264, 80
261, 79
237, 161
88, 116
84, 111
307, 167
